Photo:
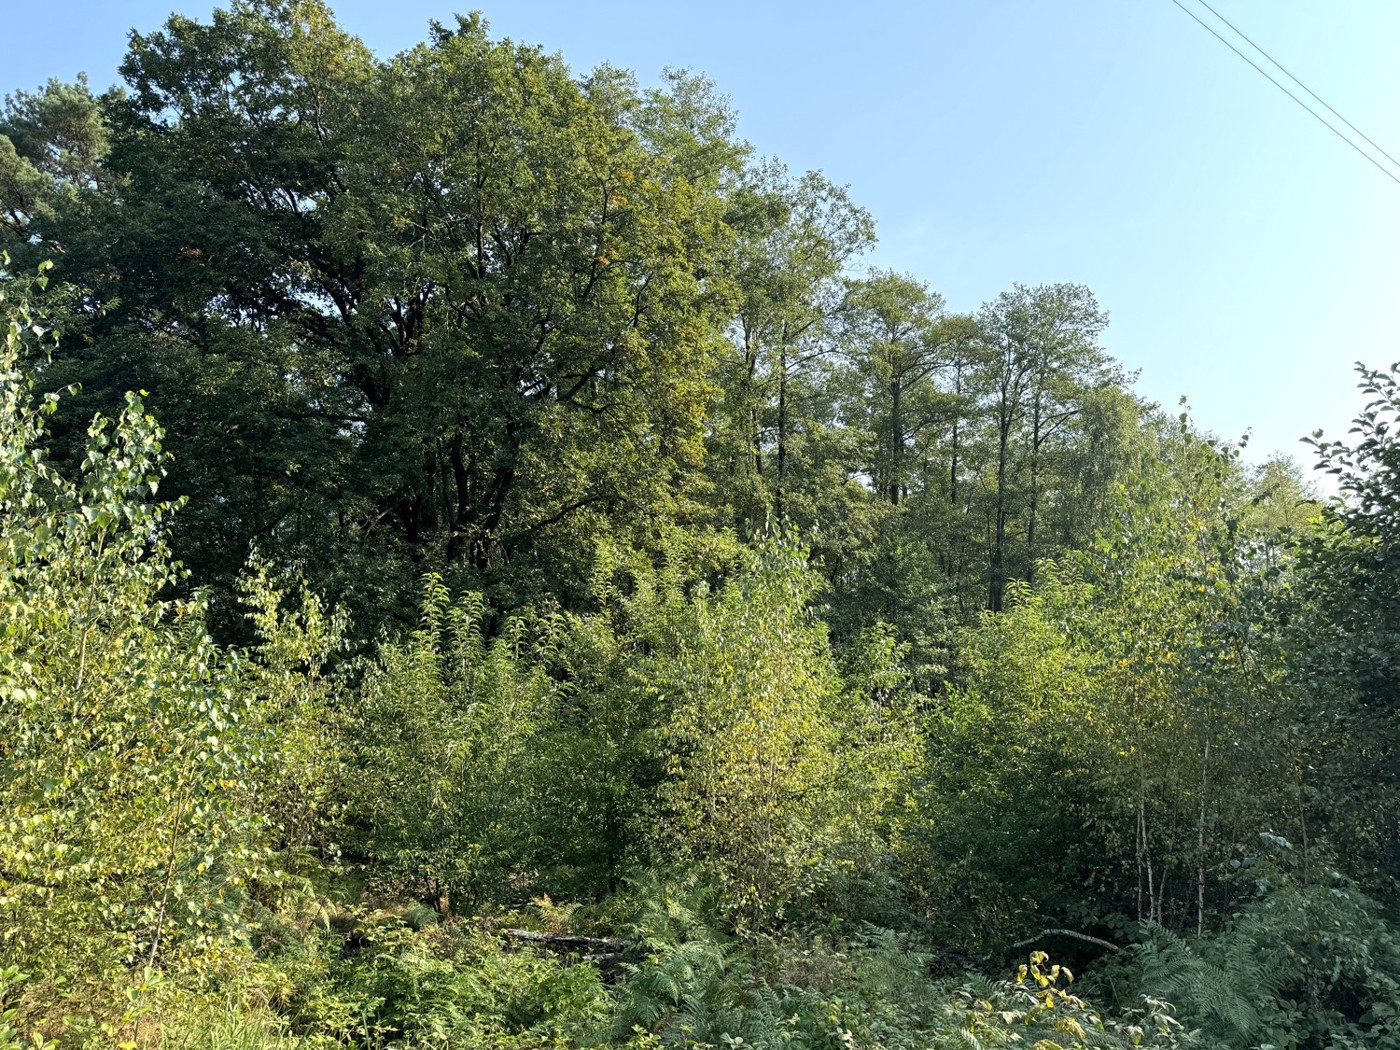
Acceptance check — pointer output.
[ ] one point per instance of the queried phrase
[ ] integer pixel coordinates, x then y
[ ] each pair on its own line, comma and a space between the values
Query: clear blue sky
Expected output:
1247, 257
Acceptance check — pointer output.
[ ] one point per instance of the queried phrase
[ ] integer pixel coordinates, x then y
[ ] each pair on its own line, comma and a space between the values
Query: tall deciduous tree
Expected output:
896, 346
794, 239
1045, 359
446, 310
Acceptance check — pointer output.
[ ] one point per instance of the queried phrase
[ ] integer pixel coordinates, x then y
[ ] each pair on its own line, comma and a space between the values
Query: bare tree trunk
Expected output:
896, 440
1144, 849
1035, 489
1201, 845
782, 429
953, 470
1141, 854
998, 574
1303, 816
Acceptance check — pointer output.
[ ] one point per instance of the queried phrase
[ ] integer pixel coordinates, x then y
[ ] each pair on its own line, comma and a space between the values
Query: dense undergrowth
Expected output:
591, 616
293, 845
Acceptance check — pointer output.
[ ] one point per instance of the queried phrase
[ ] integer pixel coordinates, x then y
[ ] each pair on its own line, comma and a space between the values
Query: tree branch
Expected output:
1056, 931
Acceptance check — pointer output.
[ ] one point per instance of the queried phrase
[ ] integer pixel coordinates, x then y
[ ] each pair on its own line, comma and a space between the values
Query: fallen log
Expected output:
1056, 931
598, 947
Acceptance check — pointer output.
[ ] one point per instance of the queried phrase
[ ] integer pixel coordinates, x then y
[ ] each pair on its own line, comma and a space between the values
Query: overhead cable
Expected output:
1308, 109
1374, 145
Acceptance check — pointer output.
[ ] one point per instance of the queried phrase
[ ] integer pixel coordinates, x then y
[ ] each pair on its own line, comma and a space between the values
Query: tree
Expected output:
1122, 719
1045, 357
1342, 620
896, 347
449, 310
444, 735
52, 144
794, 240
779, 771
122, 740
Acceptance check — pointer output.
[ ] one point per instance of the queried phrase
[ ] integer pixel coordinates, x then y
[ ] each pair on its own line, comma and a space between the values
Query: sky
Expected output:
1246, 256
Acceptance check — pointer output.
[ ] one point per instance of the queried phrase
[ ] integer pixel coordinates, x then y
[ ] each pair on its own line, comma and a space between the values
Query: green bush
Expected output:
446, 732
122, 739
783, 774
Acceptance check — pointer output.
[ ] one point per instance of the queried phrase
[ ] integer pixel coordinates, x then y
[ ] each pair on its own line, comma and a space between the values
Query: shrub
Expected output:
122, 745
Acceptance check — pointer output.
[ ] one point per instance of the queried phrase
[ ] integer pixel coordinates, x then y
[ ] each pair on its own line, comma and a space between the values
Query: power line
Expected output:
1306, 108
1305, 87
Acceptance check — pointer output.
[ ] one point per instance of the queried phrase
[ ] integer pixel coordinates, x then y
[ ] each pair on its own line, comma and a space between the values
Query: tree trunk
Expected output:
997, 586
1201, 845
896, 440
1035, 487
782, 426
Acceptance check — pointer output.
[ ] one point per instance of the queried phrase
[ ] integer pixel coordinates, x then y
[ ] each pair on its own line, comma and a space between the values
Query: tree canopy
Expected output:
485, 562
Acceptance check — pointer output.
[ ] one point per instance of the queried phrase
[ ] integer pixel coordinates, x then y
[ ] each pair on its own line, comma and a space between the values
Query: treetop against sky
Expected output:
1245, 254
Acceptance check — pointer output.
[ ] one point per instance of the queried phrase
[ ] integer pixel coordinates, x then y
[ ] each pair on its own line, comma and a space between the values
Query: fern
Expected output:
1308, 967
1221, 989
